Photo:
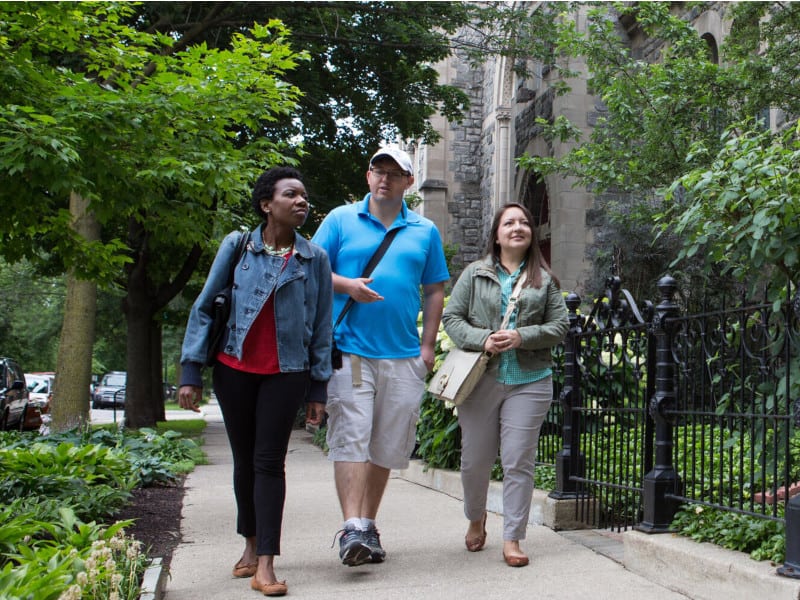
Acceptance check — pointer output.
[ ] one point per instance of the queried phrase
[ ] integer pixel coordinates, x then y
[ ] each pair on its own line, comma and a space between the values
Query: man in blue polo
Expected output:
374, 398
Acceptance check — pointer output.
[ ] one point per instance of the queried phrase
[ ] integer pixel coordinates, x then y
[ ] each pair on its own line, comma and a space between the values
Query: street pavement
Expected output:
422, 529
100, 416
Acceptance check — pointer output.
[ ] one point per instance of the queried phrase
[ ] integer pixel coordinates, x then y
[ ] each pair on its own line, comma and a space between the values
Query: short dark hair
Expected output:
265, 185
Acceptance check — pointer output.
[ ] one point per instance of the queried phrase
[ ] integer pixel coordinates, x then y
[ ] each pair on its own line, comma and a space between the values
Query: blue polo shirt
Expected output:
387, 328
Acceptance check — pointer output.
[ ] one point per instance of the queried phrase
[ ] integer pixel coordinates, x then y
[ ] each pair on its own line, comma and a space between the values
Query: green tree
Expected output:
652, 110
144, 110
31, 307
134, 134
743, 210
761, 53
738, 208
352, 50
655, 111
369, 78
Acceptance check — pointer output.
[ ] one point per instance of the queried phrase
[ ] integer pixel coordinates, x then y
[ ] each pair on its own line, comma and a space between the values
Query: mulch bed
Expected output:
157, 514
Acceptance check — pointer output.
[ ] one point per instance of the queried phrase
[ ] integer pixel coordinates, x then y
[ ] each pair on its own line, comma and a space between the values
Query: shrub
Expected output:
762, 539
95, 479
438, 435
56, 491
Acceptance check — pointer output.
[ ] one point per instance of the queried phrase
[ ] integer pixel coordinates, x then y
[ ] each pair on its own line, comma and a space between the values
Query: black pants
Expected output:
259, 412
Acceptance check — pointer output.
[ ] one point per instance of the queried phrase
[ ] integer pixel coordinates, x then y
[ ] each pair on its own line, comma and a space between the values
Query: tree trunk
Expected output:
156, 372
70, 404
142, 406
143, 304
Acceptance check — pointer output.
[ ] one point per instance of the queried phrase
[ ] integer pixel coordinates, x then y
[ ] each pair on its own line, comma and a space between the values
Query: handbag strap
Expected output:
512, 304
512, 301
373, 261
241, 246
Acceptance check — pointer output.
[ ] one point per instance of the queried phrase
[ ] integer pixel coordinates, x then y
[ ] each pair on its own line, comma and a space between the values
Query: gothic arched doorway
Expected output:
535, 198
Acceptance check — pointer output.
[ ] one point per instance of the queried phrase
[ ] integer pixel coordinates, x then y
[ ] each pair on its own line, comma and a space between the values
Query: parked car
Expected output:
110, 392
13, 395
40, 389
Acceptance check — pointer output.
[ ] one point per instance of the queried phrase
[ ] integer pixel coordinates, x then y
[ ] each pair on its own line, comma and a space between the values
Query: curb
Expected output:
543, 508
703, 571
153, 581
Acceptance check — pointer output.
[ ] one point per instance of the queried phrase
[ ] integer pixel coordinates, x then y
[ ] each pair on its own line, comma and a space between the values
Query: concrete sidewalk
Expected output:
422, 529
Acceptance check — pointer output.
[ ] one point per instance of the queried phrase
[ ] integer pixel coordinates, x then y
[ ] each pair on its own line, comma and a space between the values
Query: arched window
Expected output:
713, 50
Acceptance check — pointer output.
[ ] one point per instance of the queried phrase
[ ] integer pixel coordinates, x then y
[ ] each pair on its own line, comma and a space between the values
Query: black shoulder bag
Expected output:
336, 354
221, 306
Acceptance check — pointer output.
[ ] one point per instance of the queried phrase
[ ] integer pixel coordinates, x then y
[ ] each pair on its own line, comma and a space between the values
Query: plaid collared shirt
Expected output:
509, 372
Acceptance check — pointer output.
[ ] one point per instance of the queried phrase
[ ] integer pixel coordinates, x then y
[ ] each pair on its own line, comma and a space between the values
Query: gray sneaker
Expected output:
373, 541
353, 549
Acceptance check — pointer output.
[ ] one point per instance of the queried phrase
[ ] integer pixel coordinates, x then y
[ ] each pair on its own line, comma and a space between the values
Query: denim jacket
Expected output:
303, 308
473, 313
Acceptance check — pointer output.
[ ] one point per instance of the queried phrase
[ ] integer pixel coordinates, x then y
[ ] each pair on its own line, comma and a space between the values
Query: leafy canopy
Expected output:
652, 108
679, 113
743, 210
369, 77
146, 130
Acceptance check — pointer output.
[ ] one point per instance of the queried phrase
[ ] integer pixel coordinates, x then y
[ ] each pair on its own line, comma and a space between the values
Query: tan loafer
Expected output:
242, 571
277, 588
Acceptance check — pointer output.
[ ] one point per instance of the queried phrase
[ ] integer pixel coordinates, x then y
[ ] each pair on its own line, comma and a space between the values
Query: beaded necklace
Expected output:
276, 251
279, 252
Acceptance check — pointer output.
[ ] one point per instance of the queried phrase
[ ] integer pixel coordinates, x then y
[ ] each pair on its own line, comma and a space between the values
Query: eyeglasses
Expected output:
390, 175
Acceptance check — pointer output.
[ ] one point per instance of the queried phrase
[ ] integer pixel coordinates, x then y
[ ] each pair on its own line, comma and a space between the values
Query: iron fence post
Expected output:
791, 563
662, 481
569, 460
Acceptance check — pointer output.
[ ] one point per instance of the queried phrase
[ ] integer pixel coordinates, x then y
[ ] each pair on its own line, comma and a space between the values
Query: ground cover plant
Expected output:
60, 494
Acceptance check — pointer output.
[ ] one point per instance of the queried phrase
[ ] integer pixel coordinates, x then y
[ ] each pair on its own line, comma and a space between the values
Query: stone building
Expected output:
472, 170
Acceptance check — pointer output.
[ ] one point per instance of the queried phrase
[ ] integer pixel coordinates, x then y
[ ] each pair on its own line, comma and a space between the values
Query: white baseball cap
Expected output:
397, 155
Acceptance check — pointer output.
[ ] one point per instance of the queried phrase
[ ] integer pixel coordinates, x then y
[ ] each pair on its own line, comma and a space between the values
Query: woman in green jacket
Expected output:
509, 404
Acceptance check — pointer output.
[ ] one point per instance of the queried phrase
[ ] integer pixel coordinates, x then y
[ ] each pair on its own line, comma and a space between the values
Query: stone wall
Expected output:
451, 171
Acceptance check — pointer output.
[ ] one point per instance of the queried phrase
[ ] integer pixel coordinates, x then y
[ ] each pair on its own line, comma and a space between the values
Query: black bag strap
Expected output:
241, 246
373, 261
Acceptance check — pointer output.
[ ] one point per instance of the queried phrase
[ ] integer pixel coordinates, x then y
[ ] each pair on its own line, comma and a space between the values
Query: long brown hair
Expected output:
534, 261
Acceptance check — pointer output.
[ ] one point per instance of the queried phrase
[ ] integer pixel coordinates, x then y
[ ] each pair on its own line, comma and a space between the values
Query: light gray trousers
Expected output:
508, 417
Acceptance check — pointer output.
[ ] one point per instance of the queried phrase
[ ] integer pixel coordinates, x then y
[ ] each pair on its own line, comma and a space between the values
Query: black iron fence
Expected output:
660, 407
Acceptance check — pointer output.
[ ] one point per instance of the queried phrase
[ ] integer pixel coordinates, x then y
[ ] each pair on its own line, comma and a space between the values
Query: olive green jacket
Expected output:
473, 313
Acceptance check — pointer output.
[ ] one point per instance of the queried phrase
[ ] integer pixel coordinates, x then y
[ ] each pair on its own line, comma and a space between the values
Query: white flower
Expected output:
446, 344
133, 550
73, 592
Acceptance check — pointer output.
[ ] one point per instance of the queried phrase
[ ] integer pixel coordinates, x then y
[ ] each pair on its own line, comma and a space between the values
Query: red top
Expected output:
260, 347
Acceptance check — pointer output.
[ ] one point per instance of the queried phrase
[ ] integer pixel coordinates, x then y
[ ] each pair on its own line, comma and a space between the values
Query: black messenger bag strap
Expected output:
373, 261
221, 303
